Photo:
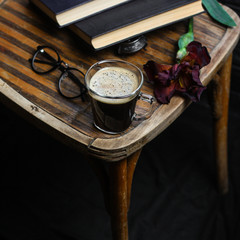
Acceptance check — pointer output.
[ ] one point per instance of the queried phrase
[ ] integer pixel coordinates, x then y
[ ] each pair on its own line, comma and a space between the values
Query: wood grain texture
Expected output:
220, 96
118, 199
23, 28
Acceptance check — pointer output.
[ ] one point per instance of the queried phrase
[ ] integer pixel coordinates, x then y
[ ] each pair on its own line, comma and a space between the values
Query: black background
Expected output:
48, 191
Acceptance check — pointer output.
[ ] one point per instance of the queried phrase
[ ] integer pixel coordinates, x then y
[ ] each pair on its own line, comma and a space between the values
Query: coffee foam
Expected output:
114, 82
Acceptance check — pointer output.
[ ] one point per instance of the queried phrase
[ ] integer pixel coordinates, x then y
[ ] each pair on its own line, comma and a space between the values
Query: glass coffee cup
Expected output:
114, 88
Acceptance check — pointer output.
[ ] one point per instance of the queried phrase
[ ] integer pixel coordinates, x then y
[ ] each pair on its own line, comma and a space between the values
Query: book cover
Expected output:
59, 6
66, 12
119, 23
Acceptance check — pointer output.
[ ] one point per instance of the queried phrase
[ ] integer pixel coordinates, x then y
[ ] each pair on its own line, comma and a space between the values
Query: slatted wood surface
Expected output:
23, 28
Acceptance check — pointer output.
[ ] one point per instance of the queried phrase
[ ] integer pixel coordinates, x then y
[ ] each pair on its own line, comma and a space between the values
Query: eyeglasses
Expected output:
71, 81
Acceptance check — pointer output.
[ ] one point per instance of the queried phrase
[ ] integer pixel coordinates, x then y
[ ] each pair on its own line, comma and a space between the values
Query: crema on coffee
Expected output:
114, 82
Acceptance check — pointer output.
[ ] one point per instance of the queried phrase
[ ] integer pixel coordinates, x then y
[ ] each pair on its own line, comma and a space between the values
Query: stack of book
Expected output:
102, 23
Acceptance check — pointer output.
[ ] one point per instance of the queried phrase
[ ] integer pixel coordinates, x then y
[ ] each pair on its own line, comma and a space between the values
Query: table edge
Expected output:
114, 149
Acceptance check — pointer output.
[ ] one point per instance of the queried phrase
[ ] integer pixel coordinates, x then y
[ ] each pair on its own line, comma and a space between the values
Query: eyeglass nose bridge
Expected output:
63, 65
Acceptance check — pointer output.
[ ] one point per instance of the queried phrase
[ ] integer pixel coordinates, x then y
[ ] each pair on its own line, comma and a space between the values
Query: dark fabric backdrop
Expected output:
49, 192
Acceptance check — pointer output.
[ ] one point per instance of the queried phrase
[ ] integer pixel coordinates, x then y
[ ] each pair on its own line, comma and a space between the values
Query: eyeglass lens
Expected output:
71, 83
45, 60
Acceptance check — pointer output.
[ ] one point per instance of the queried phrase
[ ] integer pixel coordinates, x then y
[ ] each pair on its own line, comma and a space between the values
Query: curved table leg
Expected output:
118, 199
220, 95
116, 182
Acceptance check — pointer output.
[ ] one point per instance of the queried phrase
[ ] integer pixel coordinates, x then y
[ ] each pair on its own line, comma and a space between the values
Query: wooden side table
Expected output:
113, 157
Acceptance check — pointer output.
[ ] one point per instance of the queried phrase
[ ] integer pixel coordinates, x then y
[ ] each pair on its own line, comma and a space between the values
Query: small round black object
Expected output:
132, 46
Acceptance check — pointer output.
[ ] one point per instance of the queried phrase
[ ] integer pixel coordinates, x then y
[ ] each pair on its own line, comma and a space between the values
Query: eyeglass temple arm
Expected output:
83, 89
52, 63
76, 80
43, 62
49, 56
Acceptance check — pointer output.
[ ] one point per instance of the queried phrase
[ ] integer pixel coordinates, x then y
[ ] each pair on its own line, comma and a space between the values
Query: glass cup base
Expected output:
105, 131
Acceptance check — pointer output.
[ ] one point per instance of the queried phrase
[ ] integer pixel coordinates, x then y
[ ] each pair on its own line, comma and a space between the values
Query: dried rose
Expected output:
182, 78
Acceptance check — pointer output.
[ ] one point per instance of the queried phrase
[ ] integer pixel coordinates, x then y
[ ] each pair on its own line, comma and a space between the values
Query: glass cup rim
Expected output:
114, 97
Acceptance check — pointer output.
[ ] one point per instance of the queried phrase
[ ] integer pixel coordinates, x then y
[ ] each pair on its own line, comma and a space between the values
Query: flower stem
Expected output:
184, 40
190, 27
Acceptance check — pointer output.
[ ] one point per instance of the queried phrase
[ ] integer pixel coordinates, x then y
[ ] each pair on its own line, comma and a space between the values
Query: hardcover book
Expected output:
65, 12
132, 19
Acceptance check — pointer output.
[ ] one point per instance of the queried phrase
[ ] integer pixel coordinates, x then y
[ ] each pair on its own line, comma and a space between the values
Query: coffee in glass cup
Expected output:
114, 88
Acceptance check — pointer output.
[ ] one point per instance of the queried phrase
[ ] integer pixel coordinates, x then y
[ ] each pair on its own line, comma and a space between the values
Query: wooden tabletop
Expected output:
23, 28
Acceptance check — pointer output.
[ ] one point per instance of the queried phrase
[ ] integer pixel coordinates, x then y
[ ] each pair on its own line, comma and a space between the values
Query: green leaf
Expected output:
218, 13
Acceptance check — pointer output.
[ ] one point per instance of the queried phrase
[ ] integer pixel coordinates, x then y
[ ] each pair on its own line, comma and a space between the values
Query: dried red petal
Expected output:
163, 94
194, 93
198, 54
151, 70
157, 72
180, 78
